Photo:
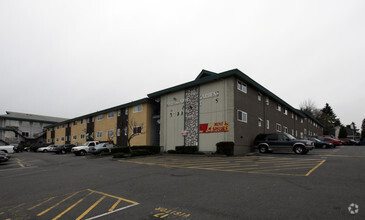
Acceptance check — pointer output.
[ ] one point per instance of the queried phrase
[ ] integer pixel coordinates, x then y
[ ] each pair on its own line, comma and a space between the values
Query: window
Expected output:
88, 120
278, 107
285, 129
57, 139
259, 97
99, 134
267, 101
75, 123
241, 86
301, 120
292, 132
82, 136
126, 131
36, 124
285, 111
278, 127
118, 132
100, 117
241, 116
259, 122
267, 124
137, 130
74, 137
62, 139
137, 108
82, 121
301, 135
126, 111
111, 115
111, 133
292, 115
305, 131
25, 134
119, 113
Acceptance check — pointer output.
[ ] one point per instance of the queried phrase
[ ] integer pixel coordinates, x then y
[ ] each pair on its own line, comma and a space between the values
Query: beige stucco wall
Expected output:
49, 136
104, 126
143, 119
78, 130
216, 105
59, 133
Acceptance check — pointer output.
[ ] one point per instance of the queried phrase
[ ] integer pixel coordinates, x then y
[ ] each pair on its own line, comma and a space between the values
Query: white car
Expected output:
7, 149
45, 149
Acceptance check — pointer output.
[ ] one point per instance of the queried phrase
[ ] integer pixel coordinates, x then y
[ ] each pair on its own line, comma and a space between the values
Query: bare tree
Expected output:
310, 107
136, 128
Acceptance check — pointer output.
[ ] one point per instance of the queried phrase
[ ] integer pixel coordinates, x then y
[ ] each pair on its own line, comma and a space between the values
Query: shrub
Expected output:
171, 151
225, 147
105, 153
186, 149
140, 152
118, 149
150, 149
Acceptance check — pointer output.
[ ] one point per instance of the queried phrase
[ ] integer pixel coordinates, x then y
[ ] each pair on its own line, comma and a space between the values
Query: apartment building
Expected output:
228, 106
116, 124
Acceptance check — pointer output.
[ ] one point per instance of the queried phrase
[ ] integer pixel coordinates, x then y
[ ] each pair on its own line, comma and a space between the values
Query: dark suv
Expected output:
282, 141
62, 149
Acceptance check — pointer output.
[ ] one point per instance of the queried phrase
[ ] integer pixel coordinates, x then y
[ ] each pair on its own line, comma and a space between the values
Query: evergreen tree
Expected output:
329, 119
343, 132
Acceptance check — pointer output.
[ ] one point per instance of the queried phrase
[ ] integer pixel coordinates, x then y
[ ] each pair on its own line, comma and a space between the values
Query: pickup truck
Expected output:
83, 149
7, 149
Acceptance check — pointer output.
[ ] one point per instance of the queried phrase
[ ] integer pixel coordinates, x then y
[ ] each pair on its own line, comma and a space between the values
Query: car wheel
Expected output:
324, 146
305, 151
63, 151
82, 153
299, 149
263, 149
44, 151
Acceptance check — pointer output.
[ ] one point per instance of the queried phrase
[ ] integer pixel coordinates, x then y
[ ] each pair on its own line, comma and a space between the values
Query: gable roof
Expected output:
31, 117
207, 77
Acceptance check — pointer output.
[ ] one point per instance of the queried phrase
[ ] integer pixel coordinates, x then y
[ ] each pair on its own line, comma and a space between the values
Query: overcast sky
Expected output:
70, 58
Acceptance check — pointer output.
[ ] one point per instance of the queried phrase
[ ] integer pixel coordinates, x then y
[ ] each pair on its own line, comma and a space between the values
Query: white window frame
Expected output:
278, 127
118, 132
285, 129
278, 107
74, 137
259, 97
242, 115
119, 112
241, 86
137, 108
110, 133
100, 117
285, 111
111, 115
82, 121
259, 122
267, 100
62, 139
136, 127
99, 134
267, 124
82, 136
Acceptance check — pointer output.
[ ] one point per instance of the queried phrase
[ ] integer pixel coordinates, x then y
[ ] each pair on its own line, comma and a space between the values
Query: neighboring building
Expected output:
228, 106
17, 127
114, 124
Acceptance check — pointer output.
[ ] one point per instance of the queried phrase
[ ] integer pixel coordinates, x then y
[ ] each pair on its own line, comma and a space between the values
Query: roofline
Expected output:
139, 101
27, 119
230, 73
312, 118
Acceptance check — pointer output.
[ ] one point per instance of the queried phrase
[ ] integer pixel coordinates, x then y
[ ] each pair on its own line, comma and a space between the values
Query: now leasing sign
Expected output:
214, 127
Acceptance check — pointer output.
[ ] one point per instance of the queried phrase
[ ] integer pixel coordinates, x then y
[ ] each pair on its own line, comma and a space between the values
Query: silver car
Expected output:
103, 147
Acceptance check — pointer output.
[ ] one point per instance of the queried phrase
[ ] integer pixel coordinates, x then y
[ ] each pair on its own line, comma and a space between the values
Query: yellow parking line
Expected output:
71, 207
315, 168
57, 204
20, 163
90, 208
115, 205
42, 203
342, 156
288, 168
116, 197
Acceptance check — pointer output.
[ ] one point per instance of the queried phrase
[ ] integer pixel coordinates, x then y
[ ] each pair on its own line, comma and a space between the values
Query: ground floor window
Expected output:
241, 116
99, 134
137, 130
278, 127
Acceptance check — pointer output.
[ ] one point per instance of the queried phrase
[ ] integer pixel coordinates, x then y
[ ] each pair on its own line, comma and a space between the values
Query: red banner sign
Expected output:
214, 127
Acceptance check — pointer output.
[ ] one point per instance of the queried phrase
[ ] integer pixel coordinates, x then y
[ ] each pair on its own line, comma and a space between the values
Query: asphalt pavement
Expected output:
324, 184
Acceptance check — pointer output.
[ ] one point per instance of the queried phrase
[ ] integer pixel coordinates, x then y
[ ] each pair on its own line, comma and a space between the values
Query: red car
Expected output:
335, 142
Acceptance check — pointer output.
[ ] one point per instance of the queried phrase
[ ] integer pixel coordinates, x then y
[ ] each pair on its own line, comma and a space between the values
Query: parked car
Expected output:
334, 141
2, 153
354, 142
62, 149
321, 144
45, 149
83, 149
7, 149
282, 141
34, 147
103, 147
3, 157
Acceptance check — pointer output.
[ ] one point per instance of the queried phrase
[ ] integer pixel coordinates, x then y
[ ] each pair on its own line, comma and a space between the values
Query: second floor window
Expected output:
100, 117
241, 86
137, 108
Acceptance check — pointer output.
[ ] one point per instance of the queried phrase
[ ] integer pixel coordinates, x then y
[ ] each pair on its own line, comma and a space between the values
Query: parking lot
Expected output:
325, 184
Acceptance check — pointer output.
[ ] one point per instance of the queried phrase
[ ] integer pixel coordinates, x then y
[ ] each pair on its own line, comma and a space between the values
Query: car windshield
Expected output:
290, 137
86, 144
